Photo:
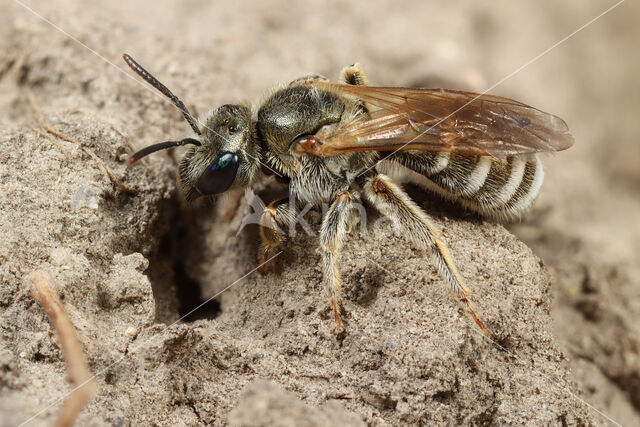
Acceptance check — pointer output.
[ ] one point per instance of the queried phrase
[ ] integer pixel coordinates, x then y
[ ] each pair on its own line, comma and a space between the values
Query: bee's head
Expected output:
227, 156
226, 152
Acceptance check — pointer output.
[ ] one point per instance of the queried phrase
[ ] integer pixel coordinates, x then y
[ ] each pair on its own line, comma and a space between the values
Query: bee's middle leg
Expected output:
332, 234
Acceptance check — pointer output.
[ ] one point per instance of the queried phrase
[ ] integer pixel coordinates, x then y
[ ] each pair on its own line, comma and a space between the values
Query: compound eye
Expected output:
219, 176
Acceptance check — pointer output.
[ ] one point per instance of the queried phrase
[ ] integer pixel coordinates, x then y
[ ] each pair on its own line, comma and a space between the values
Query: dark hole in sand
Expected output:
191, 303
177, 291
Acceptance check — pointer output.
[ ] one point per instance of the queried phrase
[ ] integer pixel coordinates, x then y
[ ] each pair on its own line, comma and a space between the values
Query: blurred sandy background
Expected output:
586, 223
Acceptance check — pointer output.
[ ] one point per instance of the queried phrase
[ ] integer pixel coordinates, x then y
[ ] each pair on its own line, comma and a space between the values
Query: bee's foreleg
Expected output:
393, 202
232, 204
332, 234
274, 224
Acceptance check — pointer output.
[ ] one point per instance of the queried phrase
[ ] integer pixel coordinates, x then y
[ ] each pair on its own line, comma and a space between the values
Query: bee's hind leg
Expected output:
393, 202
274, 223
354, 75
332, 234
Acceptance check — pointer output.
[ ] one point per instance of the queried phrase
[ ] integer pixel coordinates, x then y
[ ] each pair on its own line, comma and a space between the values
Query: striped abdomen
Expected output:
492, 187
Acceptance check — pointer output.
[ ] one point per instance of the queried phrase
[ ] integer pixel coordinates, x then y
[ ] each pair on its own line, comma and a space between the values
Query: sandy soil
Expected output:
560, 288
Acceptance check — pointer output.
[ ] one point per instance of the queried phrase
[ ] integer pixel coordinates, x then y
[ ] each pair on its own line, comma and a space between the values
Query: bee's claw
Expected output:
336, 317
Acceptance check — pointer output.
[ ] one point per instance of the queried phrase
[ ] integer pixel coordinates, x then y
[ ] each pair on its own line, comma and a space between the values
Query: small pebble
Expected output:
84, 198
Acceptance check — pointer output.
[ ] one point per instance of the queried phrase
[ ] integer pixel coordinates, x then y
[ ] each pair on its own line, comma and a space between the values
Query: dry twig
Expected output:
77, 367
43, 123
5, 66
115, 181
17, 65
46, 135
120, 187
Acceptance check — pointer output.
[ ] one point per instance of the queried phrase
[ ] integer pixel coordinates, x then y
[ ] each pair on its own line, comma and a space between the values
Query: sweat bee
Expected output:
334, 142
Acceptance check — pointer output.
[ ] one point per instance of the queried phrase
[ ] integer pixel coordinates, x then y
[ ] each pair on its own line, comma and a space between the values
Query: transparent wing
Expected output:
440, 120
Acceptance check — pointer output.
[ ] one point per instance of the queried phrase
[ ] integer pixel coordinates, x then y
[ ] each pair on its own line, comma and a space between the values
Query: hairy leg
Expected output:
392, 201
334, 229
232, 204
274, 224
354, 75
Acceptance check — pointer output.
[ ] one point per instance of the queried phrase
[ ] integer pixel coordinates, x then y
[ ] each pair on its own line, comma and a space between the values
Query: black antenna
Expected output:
160, 146
162, 88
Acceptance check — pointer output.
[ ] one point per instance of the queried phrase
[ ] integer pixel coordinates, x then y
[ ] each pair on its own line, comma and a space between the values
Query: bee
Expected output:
337, 143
